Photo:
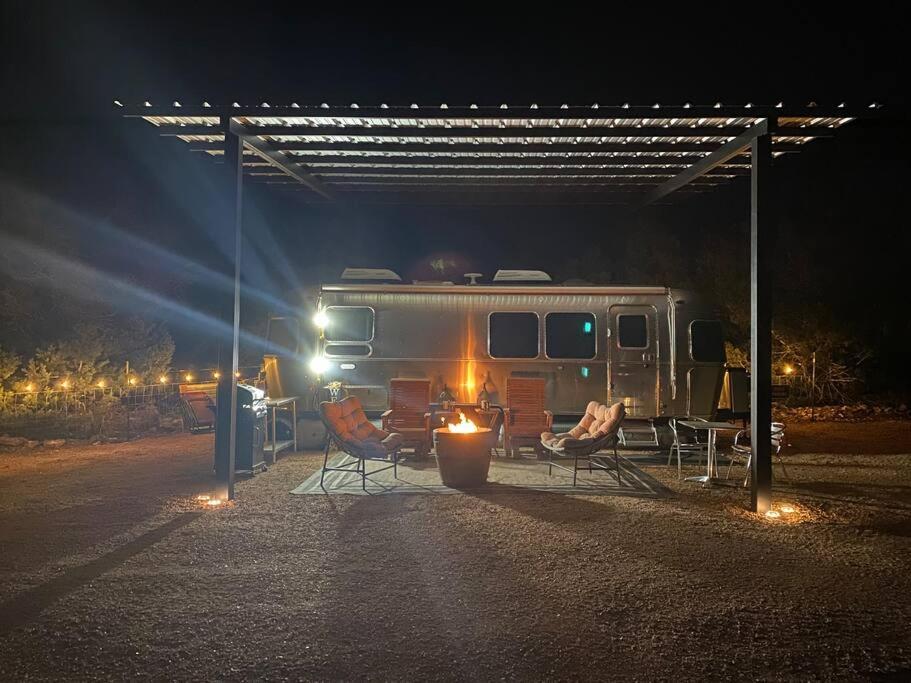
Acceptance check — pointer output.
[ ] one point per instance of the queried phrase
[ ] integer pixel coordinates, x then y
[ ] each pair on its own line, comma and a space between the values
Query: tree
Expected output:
9, 365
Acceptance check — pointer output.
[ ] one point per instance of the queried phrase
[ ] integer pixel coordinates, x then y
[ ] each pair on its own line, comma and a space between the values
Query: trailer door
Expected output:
633, 358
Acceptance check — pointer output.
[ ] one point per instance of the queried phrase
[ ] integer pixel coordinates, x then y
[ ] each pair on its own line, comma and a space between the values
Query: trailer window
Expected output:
349, 323
569, 335
513, 335
707, 341
347, 350
632, 331
282, 334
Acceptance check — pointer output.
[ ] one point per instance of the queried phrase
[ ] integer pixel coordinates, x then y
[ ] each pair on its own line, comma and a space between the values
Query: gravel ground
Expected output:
110, 569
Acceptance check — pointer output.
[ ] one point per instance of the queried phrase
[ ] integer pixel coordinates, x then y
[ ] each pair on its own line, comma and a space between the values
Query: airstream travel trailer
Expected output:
659, 350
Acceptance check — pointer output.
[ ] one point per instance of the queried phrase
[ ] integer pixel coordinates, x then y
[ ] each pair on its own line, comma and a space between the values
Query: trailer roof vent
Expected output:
376, 274
521, 276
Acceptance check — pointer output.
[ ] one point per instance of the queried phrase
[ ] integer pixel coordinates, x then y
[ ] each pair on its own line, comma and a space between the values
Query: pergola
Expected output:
595, 154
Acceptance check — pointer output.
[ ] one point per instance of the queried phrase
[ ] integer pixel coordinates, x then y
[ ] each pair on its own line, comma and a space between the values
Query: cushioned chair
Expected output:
597, 430
409, 413
525, 418
353, 434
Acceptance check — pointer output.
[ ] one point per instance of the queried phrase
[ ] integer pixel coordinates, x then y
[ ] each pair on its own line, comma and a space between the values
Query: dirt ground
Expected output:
109, 568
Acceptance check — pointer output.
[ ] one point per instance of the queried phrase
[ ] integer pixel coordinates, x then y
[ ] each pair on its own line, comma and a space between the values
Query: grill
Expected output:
250, 429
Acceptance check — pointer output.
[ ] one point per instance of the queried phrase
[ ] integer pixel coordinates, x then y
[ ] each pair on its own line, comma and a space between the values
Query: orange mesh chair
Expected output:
409, 413
355, 436
598, 430
525, 417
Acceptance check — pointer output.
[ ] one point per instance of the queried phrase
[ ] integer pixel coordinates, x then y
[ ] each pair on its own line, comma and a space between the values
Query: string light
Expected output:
163, 379
29, 387
216, 374
188, 377
132, 381
100, 384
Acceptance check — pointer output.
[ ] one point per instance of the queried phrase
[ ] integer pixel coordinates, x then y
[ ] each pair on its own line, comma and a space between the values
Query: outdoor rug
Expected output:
506, 475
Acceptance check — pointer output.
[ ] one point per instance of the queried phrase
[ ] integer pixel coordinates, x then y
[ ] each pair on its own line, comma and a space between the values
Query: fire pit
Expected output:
463, 453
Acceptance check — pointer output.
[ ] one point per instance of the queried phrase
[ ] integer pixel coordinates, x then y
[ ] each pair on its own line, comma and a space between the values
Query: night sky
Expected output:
108, 195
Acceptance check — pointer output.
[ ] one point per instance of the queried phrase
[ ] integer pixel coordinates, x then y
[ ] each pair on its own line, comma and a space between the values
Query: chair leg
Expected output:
670, 455
322, 473
730, 465
679, 464
364, 475
575, 467
395, 464
617, 465
784, 470
746, 480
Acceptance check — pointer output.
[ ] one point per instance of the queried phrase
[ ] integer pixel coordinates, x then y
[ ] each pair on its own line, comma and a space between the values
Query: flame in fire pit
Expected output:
465, 426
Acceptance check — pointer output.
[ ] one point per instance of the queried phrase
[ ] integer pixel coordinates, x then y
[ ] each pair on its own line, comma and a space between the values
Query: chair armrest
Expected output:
738, 435
386, 414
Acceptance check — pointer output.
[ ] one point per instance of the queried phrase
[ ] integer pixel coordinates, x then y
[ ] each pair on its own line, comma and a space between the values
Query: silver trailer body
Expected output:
658, 350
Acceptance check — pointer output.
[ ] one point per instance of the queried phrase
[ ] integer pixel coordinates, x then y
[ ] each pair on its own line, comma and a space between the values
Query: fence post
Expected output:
813, 391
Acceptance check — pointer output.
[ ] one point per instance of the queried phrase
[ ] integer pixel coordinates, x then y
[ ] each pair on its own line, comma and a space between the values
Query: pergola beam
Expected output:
279, 160
405, 161
445, 151
724, 153
534, 132
504, 197
603, 112
405, 172
507, 148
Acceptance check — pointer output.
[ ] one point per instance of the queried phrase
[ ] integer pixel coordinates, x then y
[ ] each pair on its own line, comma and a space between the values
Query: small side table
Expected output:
274, 447
711, 457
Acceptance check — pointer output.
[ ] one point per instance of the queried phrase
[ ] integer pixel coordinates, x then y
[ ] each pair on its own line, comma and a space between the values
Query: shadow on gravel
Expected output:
31, 603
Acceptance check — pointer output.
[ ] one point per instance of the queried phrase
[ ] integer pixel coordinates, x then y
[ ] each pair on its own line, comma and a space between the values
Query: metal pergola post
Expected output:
234, 163
762, 238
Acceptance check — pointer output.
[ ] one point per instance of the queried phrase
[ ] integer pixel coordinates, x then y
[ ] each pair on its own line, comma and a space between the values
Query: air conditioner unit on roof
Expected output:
370, 274
521, 276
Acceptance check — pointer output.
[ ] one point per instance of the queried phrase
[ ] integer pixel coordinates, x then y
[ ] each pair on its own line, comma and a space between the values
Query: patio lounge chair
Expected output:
525, 417
409, 413
597, 430
198, 410
354, 435
745, 451
686, 440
